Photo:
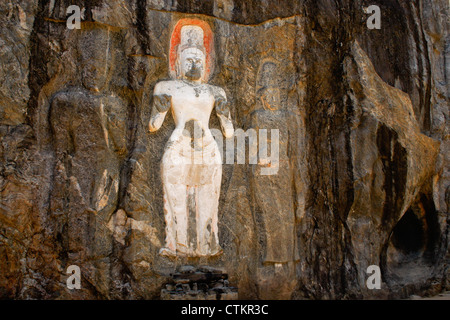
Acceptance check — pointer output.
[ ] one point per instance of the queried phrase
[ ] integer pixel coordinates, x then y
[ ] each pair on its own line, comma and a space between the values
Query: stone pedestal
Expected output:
203, 283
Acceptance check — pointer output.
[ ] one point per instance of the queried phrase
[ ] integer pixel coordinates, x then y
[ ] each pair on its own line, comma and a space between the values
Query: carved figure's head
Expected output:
95, 53
192, 64
268, 91
270, 98
191, 59
267, 74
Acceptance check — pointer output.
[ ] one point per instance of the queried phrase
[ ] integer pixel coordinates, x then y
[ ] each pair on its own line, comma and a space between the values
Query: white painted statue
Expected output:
192, 165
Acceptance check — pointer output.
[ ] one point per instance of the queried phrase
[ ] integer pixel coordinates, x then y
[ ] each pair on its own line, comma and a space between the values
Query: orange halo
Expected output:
207, 41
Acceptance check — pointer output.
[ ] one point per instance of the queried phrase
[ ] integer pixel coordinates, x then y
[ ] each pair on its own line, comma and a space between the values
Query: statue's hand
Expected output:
222, 107
161, 102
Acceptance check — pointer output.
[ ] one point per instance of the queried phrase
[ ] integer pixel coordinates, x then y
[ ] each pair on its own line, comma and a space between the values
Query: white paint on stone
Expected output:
191, 165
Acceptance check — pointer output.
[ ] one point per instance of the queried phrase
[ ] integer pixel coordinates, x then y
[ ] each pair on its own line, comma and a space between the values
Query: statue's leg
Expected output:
174, 174
175, 202
170, 246
276, 218
176, 214
208, 203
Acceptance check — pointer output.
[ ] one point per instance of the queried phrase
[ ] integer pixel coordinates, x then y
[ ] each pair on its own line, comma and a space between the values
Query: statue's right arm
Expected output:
161, 104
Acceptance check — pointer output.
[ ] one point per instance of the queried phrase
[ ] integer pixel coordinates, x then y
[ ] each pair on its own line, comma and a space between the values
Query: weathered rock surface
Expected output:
364, 148
16, 19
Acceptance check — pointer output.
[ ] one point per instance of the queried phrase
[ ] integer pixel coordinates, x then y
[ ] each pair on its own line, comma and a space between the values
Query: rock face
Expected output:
363, 171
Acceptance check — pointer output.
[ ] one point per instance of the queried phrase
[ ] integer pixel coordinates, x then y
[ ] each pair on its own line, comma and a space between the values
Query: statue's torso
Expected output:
189, 102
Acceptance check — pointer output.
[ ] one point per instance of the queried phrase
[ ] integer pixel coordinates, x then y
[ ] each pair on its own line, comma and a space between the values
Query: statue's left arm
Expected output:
224, 114
161, 104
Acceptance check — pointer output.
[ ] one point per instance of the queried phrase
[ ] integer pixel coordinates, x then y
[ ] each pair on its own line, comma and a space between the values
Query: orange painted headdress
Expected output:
206, 46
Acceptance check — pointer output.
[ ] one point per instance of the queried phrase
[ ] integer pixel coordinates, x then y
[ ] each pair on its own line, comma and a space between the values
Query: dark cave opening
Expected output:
409, 235
415, 245
417, 233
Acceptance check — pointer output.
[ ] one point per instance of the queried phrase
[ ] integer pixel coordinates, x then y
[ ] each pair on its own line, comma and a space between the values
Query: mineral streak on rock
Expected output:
363, 176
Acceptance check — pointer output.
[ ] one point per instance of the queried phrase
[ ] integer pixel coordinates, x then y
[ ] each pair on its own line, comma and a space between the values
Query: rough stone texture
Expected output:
364, 152
16, 19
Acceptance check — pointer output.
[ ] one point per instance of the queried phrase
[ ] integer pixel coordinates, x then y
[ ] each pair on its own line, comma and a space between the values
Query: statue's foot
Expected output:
217, 253
166, 252
209, 252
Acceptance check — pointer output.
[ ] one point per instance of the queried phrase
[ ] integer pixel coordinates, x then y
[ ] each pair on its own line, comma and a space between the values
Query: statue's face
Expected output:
270, 97
94, 74
267, 75
192, 64
95, 59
